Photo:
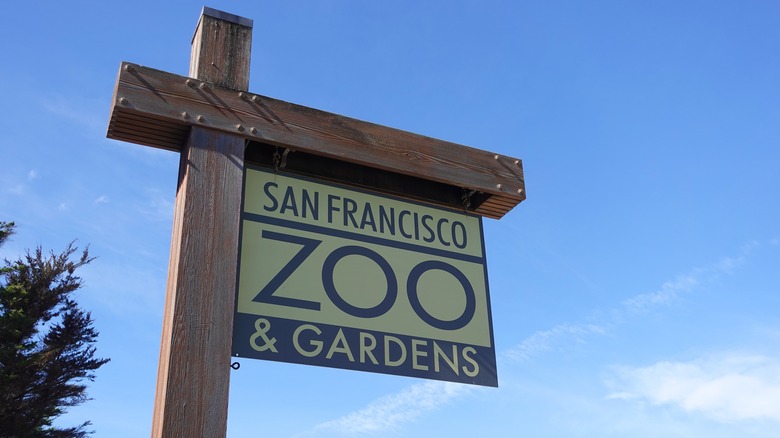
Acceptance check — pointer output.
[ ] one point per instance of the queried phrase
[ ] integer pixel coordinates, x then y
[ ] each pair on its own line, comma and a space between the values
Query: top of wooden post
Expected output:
226, 16
221, 49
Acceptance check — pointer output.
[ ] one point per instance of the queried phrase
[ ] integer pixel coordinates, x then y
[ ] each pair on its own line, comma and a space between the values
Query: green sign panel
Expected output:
338, 277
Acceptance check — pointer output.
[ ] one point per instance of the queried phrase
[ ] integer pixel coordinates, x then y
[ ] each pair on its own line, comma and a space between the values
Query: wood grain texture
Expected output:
193, 378
177, 103
194, 370
221, 52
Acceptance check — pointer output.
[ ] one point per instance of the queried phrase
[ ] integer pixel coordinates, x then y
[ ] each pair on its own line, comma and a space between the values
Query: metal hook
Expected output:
284, 158
280, 159
466, 198
235, 365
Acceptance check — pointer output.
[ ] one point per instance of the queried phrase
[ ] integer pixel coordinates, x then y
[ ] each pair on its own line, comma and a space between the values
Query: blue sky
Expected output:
635, 291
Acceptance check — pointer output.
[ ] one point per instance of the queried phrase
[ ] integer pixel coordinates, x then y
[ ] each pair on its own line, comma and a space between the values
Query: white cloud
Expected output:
668, 292
32, 174
544, 340
726, 388
392, 411
103, 199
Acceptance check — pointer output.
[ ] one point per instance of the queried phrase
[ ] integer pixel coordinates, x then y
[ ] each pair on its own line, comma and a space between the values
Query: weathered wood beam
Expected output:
156, 108
193, 377
221, 49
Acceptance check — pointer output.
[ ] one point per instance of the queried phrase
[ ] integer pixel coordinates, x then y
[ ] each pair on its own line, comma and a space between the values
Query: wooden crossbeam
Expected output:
157, 108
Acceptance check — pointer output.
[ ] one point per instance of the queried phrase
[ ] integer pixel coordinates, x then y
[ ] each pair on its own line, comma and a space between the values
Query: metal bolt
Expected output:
202, 86
255, 99
517, 162
123, 101
240, 127
519, 191
128, 68
241, 94
185, 115
495, 156
498, 186
253, 130
189, 82
201, 119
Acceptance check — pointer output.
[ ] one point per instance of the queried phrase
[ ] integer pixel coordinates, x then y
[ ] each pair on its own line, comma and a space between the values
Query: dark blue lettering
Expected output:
350, 207
462, 227
387, 219
414, 298
274, 202
310, 204
431, 236
438, 231
266, 295
329, 266
288, 203
368, 218
401, 223
331, 207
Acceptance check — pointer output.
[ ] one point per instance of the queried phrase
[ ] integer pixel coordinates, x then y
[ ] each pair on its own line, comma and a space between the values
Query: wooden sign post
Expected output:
194, 370
216, 125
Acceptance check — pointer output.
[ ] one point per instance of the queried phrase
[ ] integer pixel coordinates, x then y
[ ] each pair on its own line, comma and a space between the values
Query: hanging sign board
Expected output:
338, 277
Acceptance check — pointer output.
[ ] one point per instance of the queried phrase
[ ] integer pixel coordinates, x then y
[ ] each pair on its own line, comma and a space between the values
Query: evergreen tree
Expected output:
46, 342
